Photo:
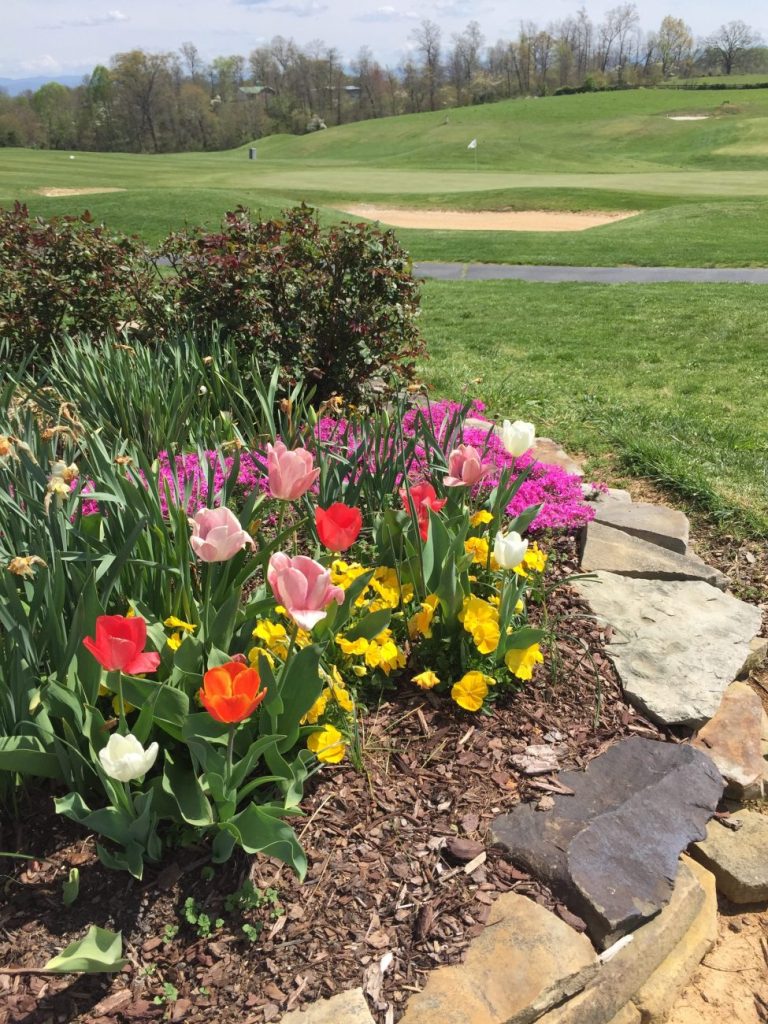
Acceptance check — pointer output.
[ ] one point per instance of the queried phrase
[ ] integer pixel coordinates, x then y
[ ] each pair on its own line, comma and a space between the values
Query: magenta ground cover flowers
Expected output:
184, 478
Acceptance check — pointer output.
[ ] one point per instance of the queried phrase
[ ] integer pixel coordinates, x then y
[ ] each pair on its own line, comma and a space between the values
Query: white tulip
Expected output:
518, 437
124, 758
509, 549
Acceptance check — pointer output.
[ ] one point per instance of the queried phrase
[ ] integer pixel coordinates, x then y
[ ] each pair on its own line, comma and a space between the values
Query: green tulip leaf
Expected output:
98, 952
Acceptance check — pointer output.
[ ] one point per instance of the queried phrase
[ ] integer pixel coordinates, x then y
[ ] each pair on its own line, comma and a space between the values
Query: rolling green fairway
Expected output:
701, 187
670, 380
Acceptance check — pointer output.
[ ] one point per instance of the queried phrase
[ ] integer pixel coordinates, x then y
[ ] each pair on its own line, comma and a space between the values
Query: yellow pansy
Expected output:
481, 518
475, 611
386, 656
387, 585
426, 680
355, 648
534, 560
486, 636
342, 697
328, 744
521, 663
360, 671
316, 711
420, 623
477, 548
344, 573
256, 652
470, 691
274, 636
173, 623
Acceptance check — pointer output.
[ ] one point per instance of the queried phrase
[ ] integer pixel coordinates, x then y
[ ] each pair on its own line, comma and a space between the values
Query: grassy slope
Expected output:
669, 379
702, 185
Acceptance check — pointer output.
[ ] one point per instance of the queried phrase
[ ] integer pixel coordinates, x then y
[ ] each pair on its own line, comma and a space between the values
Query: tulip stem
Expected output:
122, 726
289, 652
230, 752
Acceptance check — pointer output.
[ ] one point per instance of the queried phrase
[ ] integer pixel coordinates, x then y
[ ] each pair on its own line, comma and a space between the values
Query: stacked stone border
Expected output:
679, 642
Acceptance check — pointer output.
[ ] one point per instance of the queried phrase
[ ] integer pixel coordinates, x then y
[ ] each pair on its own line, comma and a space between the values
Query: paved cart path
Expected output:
590, 275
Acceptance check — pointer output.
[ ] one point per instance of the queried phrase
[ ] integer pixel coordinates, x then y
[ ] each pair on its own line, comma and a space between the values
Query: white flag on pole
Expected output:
473, 144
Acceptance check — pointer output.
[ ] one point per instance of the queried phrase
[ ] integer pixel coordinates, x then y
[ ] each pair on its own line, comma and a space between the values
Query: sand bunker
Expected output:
688, 117
53, 192
486, 220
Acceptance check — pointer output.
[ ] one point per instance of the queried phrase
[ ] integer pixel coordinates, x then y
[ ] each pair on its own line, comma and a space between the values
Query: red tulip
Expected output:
423, 497
231, 692
119, 645
339, 526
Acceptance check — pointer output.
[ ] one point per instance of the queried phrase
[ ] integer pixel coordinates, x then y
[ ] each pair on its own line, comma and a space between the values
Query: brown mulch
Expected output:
388, 895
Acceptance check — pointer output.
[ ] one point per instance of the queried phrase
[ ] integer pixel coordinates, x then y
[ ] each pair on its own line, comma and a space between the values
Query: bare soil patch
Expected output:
487, 220
53, 193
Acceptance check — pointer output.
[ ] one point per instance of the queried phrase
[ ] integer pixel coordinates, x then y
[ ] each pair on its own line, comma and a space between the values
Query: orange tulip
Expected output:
231, 692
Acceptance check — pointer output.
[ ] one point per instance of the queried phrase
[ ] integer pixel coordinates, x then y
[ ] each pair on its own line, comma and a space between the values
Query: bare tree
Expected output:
674, 44
730, 41
427, 40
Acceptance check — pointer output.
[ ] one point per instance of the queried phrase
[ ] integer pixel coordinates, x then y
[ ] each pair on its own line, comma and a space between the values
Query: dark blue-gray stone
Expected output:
611, 850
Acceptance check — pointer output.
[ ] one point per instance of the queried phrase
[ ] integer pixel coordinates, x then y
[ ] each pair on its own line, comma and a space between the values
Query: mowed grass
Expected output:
701, 187
666, 381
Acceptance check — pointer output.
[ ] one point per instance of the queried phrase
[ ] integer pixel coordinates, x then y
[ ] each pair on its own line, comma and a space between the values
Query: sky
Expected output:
57, 37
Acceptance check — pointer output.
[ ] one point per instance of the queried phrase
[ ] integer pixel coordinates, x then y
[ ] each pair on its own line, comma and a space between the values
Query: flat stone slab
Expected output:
655, 523
345, 1008
549, 452
615, 551
607, 999
758, 655
677, 646
613, 494
732, 738
738, 859
612, 848
525, 961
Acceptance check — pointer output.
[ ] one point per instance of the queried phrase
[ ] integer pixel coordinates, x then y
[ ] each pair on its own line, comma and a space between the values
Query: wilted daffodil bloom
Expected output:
518, 437
124, 759
24, 565
509, 549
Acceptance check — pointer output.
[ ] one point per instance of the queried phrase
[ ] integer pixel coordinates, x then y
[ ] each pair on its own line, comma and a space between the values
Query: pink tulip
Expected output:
217, 535
303, 587
465, 468
290, 472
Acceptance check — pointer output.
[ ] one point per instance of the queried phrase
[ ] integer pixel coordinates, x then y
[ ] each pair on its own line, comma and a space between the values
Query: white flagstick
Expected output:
473, 145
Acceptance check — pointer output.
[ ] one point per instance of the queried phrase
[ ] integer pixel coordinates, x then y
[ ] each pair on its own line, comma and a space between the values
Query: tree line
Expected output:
173, 102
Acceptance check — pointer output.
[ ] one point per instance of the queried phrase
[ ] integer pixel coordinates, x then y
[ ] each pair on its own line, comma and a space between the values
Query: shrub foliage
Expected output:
337, 307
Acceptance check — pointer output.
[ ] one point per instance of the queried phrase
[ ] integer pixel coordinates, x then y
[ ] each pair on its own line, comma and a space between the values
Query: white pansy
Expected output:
518, 437
124, 758
509, 549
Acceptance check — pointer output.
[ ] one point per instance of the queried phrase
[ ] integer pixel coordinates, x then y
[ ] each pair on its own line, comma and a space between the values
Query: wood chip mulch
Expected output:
401, 875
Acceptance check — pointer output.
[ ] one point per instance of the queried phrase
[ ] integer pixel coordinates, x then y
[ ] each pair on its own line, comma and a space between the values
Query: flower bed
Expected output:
194, 641
382, 881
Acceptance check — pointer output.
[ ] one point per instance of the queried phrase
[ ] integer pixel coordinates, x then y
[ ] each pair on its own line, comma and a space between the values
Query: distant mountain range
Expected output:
15, 86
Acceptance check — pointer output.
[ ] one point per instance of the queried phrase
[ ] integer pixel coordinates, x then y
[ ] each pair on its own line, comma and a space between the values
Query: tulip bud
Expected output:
124, 759
518, 437
509, 549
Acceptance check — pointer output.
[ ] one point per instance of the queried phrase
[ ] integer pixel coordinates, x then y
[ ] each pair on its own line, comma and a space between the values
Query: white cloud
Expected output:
311, 9
45, 64
386, 13
90, 20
